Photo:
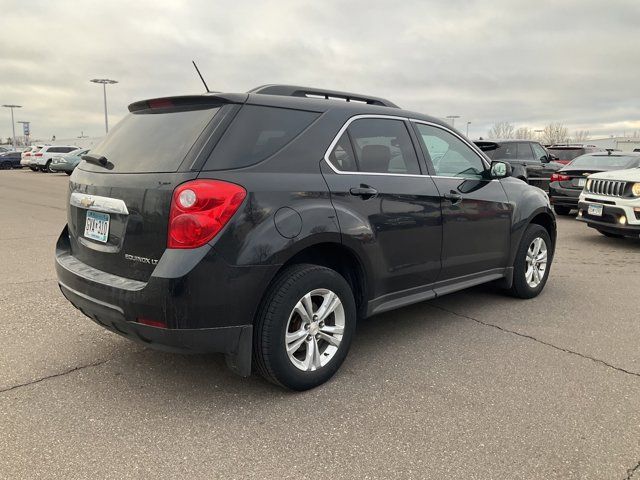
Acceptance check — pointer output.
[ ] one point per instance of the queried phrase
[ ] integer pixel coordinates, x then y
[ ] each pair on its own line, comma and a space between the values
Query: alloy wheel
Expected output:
315, 329
537, 257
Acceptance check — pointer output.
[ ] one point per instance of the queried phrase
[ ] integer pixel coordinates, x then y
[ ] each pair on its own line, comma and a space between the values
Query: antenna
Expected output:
200, 75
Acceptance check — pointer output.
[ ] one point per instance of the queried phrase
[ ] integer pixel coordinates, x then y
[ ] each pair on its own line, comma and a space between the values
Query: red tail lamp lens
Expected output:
151, 323
559, 177
200, 209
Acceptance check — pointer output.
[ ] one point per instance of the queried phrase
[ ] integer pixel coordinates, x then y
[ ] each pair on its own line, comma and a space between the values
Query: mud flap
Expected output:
239, 361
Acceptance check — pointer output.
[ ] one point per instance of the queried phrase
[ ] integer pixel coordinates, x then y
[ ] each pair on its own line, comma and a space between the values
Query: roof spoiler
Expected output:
485, 145
187, 101
310, 92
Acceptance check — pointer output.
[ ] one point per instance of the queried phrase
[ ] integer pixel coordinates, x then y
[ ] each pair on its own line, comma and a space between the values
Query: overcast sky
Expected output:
526, 62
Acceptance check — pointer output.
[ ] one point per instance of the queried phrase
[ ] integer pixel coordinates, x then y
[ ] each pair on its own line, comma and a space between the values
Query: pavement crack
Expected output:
632, 471
530, 337
55, 375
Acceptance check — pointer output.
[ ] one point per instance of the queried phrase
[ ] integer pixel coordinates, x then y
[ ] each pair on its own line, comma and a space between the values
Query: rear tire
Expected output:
34, 169
611, 235
532, 263
6, 166
68, 173
47, 167
560, 210
290, 344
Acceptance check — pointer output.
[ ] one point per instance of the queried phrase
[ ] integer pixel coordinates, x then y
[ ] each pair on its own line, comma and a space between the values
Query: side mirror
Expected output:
552, 157
545, 159
500, 169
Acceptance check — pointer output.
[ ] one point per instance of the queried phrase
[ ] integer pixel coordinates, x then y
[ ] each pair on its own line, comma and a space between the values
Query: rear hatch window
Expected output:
566, 154
152, 140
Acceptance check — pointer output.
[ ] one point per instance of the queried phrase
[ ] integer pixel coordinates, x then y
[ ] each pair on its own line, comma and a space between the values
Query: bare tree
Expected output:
524, 133
555, 132
502, 130
581, 136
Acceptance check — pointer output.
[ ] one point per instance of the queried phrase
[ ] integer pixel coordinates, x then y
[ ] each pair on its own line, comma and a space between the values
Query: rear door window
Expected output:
152, 140
525, 152
383, 146
256, 133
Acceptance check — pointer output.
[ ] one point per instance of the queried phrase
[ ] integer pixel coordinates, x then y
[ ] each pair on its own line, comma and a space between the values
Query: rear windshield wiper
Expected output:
99, 160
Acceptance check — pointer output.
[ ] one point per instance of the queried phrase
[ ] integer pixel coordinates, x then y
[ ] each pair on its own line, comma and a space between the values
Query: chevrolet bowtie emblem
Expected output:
87, 202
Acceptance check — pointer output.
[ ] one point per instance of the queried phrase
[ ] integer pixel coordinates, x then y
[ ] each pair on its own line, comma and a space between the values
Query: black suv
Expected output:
528, 159
262, 225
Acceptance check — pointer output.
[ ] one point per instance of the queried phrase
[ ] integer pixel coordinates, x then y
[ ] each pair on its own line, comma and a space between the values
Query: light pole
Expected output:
468, 123
453, 119
13, 125
104, 82
26, 130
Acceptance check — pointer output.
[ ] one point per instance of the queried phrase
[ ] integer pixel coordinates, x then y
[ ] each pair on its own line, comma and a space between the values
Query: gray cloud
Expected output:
524, 62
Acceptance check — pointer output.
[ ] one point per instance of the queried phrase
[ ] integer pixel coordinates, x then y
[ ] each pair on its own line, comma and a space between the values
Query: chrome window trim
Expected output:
98, 203
344, 128
404, 119
474, 148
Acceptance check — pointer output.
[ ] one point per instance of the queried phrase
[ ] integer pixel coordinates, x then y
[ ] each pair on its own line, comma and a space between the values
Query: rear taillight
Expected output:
199, 210
38, 155
559, 177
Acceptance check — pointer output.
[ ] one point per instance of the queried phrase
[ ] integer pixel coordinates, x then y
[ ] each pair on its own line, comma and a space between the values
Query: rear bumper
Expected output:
207, 305
564, 197
61, 167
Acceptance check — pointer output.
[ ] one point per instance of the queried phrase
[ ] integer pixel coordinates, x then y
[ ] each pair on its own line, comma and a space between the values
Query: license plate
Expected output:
96, 226
595, 210
582, 182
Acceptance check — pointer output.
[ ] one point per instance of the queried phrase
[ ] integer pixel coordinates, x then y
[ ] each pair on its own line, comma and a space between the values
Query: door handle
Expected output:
364, 191
454, 197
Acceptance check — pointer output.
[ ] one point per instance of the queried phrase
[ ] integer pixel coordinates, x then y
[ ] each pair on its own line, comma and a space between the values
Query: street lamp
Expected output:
104, 82
453, 119
468, 123
13, 125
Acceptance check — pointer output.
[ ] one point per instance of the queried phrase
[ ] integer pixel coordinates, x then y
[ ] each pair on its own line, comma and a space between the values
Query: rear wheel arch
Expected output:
339, 258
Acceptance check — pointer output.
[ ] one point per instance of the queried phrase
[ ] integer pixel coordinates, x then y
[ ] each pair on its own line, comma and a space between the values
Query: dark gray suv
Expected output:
264, 224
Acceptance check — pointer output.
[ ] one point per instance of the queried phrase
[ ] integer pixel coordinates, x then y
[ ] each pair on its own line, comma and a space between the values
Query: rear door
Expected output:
385, 205
118, 214
475, 210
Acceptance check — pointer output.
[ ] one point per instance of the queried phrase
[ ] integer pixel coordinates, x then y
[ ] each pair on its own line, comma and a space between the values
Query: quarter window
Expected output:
449, 155
539, 152
377, 145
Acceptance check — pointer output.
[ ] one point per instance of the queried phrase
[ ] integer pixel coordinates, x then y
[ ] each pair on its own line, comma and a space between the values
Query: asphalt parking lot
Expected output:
473, 385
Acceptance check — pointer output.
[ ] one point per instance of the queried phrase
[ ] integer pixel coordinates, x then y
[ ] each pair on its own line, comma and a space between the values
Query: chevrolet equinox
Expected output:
262, 225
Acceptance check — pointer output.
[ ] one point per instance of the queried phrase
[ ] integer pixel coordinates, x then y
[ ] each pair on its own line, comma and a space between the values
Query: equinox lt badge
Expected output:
136, 258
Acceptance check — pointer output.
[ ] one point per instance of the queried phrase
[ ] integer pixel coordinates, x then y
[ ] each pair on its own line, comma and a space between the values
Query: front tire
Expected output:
304, 327
560, 210
532, 262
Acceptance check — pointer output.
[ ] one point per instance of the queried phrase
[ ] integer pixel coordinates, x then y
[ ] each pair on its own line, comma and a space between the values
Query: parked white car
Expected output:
43, 158
610, 203
27, 157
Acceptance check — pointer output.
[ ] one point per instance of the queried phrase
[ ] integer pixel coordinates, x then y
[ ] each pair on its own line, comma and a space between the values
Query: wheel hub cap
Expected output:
536, 262
314, 330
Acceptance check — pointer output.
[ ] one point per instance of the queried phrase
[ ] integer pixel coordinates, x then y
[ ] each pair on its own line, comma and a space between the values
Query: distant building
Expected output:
625, 144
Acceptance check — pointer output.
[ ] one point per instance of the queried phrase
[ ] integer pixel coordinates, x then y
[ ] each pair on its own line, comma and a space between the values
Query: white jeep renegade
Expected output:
610, 203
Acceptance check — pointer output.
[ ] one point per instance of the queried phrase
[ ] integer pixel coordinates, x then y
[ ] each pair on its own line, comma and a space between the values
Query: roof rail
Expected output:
309, 92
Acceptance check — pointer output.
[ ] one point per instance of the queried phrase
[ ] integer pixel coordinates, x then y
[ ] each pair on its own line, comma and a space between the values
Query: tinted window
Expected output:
449, 155
257, 133
152, 141
605, 161
524, 151
505, 151
539, 152
383, 146
342, 156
